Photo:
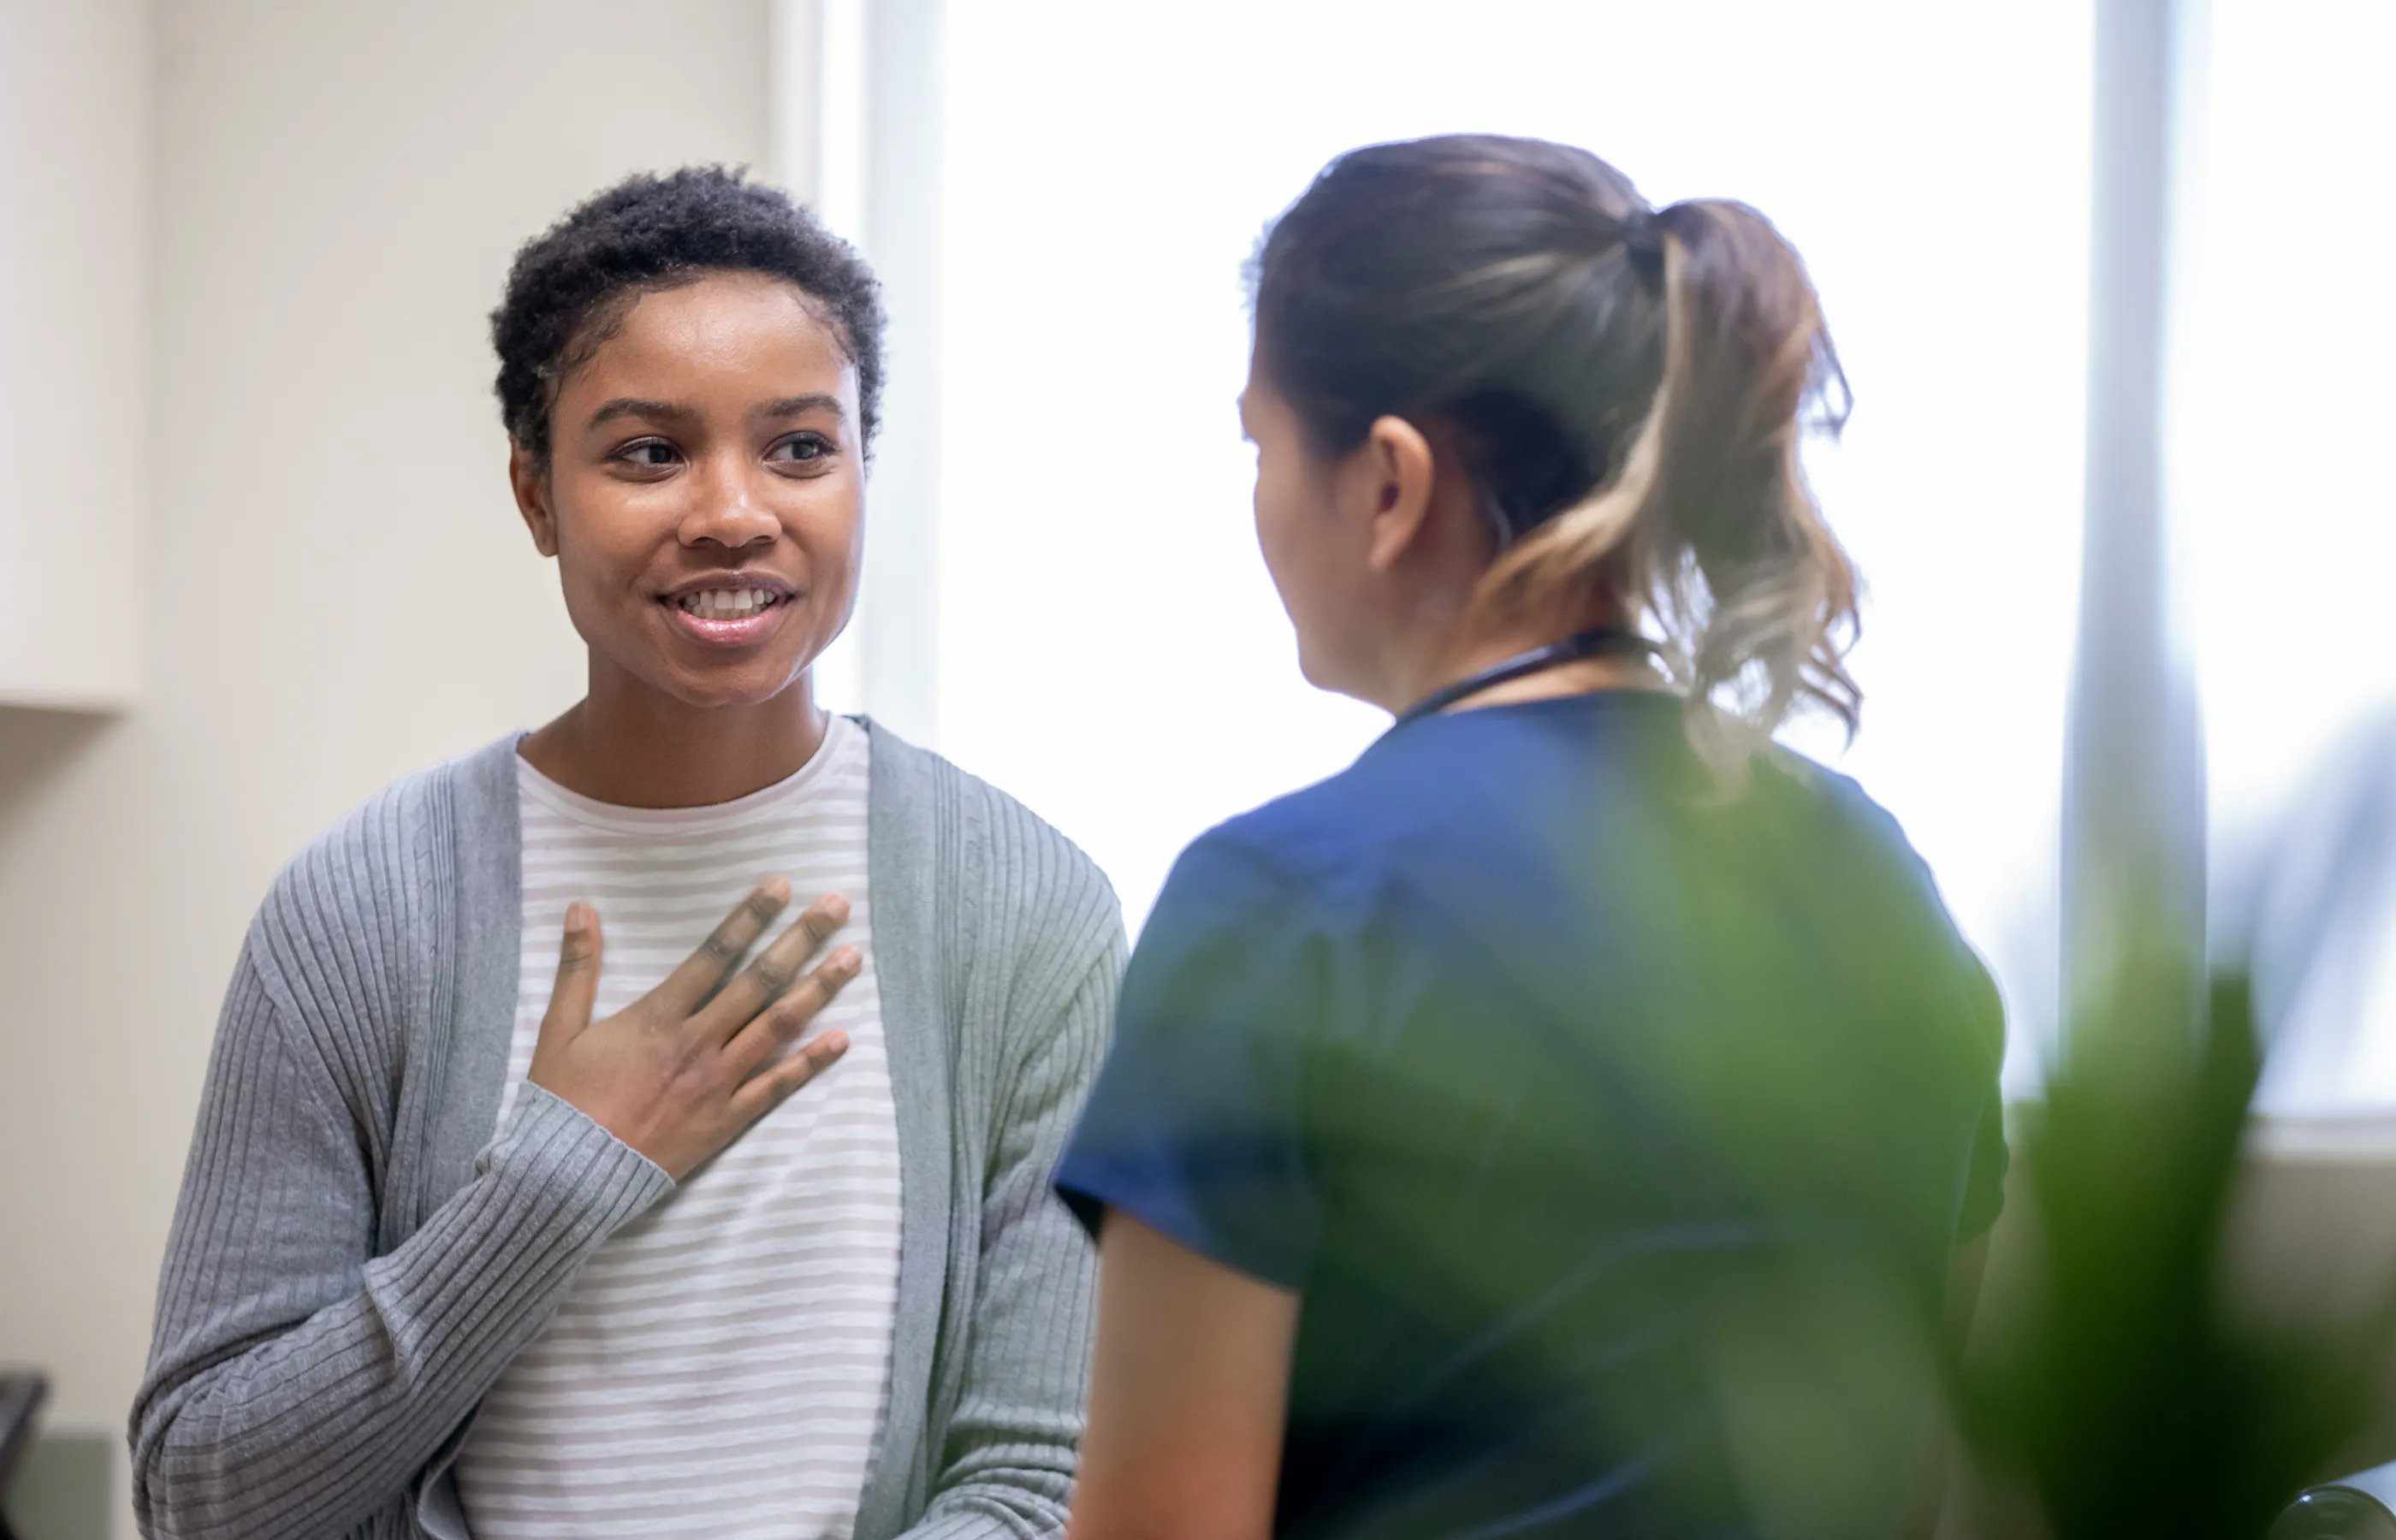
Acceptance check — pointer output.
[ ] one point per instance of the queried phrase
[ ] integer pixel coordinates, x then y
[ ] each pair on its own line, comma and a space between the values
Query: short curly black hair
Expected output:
571, 284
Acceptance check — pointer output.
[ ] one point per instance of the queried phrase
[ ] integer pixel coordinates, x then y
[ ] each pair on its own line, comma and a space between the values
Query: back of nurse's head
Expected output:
1625, 385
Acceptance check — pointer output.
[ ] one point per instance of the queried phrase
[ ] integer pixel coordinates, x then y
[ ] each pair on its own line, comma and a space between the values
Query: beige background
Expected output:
75, 208
338, 589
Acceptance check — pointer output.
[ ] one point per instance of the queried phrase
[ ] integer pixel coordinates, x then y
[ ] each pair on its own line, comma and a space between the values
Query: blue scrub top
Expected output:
1568, 1091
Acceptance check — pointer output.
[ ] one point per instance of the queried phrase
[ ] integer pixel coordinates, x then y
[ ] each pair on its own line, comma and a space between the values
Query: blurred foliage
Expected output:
2127, 1392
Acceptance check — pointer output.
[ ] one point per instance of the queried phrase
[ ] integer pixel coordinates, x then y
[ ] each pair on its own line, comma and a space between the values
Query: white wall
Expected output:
74, 271
341, 592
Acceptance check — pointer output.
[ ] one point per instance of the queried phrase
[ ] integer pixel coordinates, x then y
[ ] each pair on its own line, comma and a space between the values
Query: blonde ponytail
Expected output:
1709, 529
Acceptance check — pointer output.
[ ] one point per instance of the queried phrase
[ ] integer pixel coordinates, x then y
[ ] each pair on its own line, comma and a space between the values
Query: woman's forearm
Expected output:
297, 1382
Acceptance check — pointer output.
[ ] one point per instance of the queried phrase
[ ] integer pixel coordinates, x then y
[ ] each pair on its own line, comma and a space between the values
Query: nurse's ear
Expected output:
1391, 478
529, 479
1412, 487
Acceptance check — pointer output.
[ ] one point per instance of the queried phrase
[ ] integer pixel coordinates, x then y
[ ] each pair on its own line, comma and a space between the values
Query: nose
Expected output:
727, 507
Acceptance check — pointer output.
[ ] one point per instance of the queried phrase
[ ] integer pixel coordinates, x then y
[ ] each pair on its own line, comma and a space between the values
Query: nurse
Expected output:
1566, 1120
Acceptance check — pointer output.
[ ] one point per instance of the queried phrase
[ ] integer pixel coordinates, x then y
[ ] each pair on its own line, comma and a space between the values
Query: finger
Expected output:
703, 970
762, 1092
783, 1023
776, 969
577, 990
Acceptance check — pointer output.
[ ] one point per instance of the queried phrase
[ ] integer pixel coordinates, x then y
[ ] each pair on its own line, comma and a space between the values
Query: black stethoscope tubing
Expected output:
1597, 641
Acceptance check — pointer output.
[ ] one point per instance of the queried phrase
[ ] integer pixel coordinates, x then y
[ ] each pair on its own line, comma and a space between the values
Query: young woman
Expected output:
1564, 1121
527, 1200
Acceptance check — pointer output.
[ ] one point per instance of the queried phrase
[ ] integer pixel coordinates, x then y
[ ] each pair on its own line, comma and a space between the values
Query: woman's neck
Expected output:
1461, 656
633, 746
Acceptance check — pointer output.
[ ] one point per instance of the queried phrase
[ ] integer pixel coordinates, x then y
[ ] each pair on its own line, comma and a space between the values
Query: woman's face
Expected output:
704, 491
1319, 557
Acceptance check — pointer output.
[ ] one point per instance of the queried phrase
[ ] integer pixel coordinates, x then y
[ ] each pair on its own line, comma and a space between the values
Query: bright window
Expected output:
1111, 647
2281, 486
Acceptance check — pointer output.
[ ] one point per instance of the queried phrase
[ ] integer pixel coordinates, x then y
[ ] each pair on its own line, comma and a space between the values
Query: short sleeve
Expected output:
1984, 1187
1196, 1127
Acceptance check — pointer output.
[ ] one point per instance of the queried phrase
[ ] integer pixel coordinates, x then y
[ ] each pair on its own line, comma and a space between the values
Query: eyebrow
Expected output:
794, 405
624, 406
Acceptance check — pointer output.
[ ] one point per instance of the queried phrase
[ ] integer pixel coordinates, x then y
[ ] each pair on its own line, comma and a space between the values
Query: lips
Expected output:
728, 611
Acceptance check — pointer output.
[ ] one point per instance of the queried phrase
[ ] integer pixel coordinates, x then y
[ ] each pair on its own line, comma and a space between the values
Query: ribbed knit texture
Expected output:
326, 1326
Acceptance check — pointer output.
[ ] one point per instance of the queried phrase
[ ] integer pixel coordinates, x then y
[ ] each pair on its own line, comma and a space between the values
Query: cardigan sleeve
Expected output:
1013, 1444
298, 1382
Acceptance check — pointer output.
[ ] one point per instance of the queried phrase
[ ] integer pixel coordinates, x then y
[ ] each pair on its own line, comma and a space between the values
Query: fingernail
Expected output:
846, 959
578, 916
835, 1042
776, 888
835, 906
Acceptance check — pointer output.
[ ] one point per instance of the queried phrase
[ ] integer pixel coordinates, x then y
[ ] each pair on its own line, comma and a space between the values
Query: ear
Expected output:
1396, 471
529, 480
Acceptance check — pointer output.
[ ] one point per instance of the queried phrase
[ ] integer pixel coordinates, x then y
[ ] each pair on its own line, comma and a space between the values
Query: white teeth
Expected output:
728, 604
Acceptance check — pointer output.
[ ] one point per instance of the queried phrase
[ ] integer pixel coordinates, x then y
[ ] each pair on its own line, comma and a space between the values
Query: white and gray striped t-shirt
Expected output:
720, 1365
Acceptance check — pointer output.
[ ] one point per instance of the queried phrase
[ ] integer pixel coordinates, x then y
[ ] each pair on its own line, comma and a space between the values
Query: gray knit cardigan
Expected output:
356, 1257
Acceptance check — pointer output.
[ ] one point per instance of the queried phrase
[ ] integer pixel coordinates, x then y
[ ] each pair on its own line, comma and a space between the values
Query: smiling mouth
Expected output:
740, 603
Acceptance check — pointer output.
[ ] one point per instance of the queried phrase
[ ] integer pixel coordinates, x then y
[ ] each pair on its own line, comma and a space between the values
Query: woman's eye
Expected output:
649, 453
802, 447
